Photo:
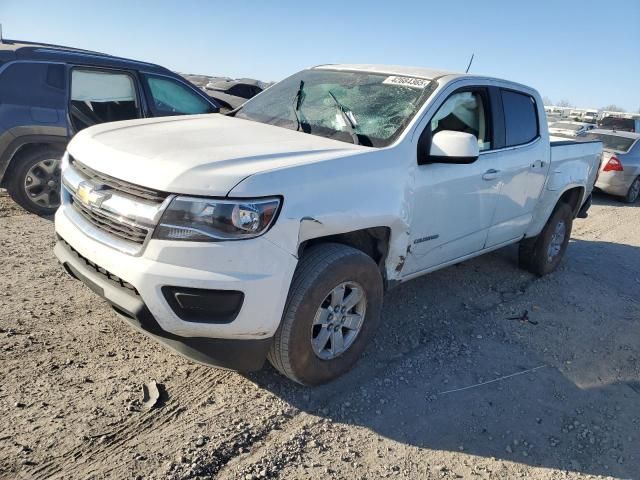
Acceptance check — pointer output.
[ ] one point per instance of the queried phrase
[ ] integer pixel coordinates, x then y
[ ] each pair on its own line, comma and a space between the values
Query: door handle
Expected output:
490, 174
538, 164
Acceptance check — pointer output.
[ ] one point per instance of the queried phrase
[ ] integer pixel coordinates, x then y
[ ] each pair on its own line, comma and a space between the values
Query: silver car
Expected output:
620, 164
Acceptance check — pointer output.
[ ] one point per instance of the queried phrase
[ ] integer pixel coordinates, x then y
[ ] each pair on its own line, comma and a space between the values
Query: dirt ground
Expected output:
451, 388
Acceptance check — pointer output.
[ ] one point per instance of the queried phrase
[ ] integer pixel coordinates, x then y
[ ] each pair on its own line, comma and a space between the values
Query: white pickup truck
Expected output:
274, 231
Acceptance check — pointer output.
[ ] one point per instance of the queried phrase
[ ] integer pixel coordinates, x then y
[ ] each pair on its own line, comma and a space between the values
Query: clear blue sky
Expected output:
587, 51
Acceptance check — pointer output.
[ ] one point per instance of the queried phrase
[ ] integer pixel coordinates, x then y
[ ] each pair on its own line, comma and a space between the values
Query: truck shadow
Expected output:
450, 370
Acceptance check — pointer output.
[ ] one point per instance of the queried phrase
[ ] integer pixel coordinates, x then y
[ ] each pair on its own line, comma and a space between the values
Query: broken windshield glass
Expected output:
378, 106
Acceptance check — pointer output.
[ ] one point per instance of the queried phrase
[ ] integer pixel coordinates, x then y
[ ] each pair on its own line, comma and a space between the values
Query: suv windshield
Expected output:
612, 142
355, 107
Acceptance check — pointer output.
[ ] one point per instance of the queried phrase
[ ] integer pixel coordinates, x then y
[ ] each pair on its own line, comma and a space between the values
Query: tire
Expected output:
535, 254
323, 268
633, 193
34, 180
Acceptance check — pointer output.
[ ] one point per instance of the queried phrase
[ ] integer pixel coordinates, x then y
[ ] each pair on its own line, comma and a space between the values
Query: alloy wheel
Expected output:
42, 183
338, 321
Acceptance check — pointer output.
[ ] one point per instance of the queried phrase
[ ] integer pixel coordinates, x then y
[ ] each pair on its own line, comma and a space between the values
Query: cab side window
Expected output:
520, 117
464, 112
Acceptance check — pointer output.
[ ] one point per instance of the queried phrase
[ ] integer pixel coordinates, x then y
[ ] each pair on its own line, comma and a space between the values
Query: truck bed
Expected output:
565, 149
569, 158
557, 141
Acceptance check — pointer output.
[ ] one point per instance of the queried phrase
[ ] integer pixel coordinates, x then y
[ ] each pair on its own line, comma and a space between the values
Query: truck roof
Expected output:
25, 50
420, 72
407, 71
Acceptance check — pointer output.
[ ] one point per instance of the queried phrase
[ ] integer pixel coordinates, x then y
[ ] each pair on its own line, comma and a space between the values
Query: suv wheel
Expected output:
332, 311
34, 180
542, 254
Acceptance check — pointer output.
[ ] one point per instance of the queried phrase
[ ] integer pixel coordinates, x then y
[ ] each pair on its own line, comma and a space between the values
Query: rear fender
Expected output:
12, 141
575, 166
547, 204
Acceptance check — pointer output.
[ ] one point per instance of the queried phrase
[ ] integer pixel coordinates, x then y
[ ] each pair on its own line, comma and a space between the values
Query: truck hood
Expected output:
200, 154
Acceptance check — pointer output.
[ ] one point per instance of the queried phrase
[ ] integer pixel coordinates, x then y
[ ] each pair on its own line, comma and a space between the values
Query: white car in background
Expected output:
570, 129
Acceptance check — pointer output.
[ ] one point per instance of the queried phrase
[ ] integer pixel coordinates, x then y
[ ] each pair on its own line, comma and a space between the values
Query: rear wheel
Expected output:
634, 192
542, 254
34, 180
332, 311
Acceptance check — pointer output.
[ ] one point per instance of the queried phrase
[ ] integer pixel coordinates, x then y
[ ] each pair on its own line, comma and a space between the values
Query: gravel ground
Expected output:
451, 388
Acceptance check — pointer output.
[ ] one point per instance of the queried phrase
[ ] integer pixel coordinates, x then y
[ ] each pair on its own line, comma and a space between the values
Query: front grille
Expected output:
119, 185
117, 228
102, 271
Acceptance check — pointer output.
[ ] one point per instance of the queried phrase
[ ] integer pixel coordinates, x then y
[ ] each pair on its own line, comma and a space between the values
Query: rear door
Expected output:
522, 166
100, 95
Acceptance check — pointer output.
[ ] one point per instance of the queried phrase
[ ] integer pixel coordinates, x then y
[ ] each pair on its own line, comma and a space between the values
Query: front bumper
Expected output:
257, 268
241, 355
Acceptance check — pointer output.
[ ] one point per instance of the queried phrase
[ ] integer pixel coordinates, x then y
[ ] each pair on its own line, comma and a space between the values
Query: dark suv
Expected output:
48, 93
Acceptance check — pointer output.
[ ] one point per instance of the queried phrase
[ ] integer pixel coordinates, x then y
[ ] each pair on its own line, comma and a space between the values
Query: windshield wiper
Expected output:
297, 100
351, 124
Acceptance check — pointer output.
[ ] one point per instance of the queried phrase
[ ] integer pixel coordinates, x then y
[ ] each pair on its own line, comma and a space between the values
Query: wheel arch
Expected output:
572, 194
26, 143
373, 241
574, 197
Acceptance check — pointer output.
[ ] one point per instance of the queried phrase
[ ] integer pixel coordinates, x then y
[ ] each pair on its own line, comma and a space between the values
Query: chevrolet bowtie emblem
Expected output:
92, 195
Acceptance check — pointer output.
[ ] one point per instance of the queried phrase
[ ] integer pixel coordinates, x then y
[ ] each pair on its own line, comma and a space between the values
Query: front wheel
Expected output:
332, 311
542, 254
34, 180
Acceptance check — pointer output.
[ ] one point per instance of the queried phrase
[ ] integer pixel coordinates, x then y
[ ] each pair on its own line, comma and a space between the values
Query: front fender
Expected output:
336, 196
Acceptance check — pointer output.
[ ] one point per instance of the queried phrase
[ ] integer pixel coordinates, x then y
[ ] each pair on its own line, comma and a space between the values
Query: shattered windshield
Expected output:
356, 107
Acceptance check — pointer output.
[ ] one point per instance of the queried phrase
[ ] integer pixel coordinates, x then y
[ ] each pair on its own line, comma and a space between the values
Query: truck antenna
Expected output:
470, 62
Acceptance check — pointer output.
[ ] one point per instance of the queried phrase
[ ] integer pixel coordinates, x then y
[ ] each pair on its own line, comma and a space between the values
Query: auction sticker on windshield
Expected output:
412, 82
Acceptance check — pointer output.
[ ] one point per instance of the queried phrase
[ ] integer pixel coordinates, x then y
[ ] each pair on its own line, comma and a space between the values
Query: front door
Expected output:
453, 205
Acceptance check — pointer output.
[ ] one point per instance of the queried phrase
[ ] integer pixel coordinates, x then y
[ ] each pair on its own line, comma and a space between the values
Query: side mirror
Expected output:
448, 146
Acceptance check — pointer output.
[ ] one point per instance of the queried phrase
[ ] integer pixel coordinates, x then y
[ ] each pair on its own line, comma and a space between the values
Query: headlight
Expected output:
209, 220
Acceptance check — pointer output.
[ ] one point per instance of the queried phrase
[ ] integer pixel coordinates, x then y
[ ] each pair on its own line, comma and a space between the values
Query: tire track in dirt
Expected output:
172, 419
